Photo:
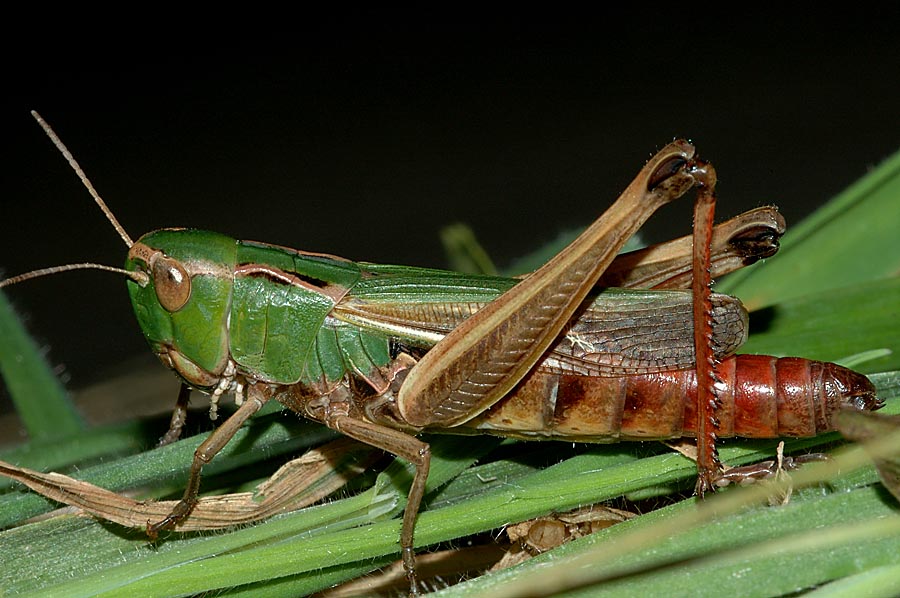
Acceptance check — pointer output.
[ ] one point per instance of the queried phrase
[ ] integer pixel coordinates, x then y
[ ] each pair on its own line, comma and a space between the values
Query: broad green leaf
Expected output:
850, 241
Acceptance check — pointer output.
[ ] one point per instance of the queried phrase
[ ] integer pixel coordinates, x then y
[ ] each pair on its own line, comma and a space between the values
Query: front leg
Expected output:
179, 416
258, 395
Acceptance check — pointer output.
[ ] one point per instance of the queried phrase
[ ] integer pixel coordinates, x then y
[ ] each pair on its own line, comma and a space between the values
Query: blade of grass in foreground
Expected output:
41, 401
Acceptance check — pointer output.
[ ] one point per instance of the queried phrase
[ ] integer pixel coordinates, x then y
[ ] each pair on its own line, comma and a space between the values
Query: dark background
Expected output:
365, 145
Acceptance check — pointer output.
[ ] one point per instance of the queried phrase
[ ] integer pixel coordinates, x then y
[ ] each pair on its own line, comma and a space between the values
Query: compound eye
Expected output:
172, 283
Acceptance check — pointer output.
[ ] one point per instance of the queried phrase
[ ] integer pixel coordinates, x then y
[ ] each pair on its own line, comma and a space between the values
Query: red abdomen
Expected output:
760, 397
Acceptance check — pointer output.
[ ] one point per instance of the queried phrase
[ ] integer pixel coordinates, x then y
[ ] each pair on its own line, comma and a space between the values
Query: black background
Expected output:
364, 144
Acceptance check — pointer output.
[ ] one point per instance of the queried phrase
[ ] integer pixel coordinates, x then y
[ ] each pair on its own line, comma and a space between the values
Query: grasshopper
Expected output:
382, 353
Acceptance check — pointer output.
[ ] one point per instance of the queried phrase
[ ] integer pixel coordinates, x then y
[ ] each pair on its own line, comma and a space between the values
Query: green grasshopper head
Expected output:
183, 308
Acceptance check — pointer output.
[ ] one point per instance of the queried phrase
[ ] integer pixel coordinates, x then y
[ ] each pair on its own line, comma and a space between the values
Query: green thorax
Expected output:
280, 329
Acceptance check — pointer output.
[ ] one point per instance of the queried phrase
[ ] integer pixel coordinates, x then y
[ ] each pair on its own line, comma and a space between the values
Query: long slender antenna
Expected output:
139, 277
87, 183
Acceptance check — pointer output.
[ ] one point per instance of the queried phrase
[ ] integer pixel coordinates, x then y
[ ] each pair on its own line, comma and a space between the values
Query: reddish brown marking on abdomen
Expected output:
760, 397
